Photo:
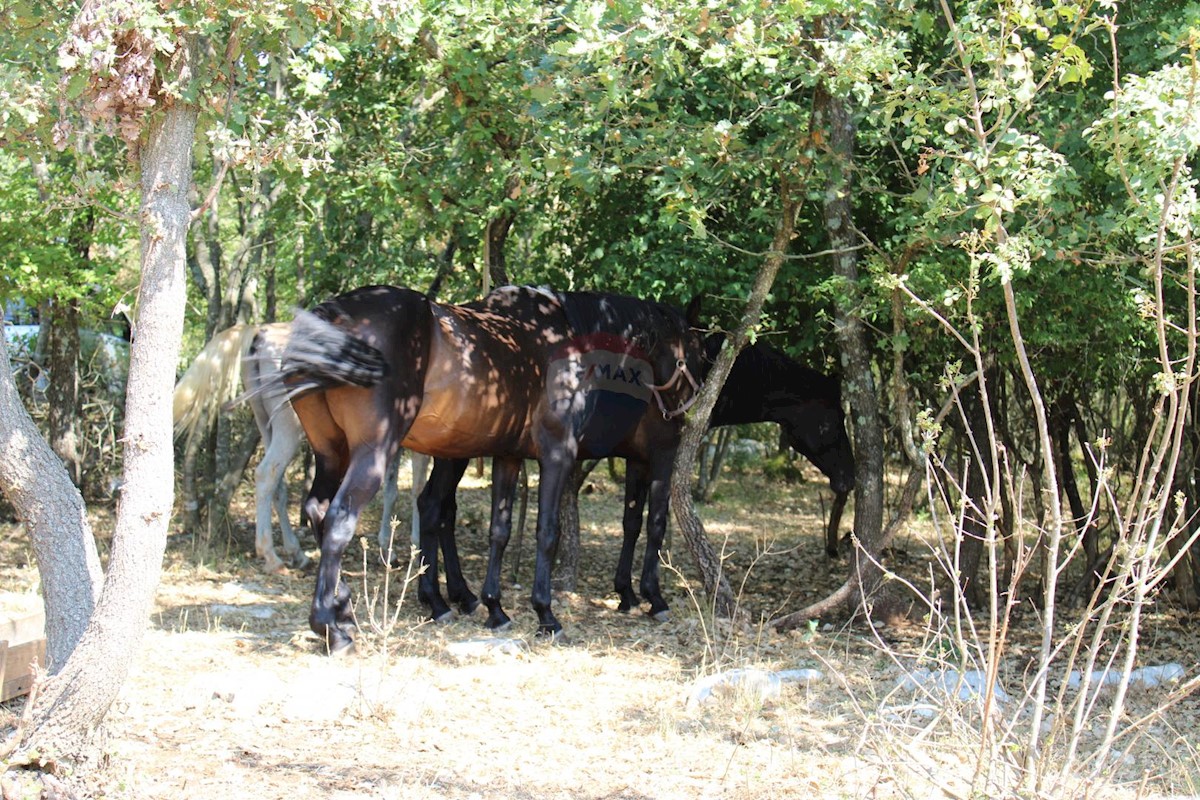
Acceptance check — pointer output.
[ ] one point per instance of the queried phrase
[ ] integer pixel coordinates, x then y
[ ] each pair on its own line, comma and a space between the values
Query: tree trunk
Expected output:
716, 584
976, 449
566, 565
832, 115
858, 381
61, 328
70, 707
33, 479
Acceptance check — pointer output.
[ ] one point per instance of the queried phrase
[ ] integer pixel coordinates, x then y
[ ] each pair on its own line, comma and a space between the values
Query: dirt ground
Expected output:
232, 698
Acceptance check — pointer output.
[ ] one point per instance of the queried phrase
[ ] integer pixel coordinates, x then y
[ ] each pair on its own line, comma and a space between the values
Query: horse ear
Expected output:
693, 312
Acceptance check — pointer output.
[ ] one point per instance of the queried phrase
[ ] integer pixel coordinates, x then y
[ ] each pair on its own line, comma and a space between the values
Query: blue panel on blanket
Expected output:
608, 378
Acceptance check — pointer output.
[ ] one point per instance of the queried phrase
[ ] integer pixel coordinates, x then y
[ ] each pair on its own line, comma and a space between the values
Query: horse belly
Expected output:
465, 427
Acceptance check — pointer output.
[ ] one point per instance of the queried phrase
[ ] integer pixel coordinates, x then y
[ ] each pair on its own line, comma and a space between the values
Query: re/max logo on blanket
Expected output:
604, 362
603, 383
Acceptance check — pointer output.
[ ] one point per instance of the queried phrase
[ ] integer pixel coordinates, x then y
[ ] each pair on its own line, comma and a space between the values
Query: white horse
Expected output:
251, 353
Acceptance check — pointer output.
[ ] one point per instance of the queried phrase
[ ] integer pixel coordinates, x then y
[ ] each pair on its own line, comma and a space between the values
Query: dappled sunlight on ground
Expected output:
231, 696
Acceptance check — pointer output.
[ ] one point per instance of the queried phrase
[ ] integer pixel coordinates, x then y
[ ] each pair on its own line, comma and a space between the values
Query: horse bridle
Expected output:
681, 370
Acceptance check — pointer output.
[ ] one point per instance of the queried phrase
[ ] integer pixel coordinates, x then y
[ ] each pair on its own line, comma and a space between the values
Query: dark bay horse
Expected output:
523, 373
764, 385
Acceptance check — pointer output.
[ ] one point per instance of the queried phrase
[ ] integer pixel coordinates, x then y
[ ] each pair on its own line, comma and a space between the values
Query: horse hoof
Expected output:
342, 649
470, 607
337, 643
661, 616
624, 607
444, 618
553, 635
301, 561
497, 620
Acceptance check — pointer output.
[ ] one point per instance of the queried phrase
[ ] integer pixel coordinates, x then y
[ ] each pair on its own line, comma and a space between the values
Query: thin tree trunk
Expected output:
61, 328
566, 566
70, 707
858, 381
832, 115
716, 584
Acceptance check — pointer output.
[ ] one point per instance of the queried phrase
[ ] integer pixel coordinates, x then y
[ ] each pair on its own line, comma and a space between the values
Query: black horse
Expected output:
764, 385
523, 373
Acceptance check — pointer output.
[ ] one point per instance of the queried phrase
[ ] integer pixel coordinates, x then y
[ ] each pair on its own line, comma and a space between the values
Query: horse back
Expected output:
485, 388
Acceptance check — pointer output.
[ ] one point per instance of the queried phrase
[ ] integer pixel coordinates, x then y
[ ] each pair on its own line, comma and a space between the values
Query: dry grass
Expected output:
231, 697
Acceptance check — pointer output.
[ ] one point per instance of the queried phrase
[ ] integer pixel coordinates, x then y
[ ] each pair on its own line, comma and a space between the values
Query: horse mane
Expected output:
603, 312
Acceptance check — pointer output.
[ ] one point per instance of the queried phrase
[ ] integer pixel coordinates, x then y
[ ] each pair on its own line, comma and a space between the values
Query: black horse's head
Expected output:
816, 429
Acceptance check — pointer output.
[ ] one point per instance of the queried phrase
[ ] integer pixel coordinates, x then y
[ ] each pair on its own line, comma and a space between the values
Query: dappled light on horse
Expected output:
764, 385
253, 353
509, 377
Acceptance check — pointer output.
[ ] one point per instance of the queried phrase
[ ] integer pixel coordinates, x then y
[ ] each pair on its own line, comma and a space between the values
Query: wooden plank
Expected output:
20, 664
22, 627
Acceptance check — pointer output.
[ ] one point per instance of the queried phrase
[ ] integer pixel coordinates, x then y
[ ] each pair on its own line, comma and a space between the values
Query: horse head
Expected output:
816, 428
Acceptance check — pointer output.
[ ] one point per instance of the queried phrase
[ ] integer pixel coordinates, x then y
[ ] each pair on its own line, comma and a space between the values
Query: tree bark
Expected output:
61, 328
832, 115
566, 563
70, 707
716, 585
34, 480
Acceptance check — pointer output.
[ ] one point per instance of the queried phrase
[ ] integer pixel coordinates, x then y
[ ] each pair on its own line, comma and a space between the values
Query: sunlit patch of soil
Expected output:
231, 696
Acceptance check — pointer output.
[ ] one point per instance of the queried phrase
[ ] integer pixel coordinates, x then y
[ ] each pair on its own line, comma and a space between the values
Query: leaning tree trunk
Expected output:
716, 584
34, 480
70, 707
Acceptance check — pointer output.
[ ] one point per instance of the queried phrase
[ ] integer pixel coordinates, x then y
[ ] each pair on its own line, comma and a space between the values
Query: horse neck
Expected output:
764, 383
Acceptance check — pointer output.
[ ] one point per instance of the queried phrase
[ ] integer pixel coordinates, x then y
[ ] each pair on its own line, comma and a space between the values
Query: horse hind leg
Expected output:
285, 442
432, 508
457, 588
269, 491
331, 614
281, 439
505, 472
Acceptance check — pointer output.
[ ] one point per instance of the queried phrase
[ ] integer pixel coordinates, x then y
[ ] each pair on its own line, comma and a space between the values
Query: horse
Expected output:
522, 373
251, 353
764, 385
767, 385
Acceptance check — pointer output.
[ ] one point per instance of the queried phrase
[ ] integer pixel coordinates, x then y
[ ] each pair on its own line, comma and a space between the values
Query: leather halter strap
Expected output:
681, 371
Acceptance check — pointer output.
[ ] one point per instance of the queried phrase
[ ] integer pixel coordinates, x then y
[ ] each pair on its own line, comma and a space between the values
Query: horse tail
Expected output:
320, 355
211, 380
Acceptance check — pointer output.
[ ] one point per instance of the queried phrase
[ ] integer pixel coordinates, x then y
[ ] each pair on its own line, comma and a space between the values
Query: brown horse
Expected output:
765, 385
523, 373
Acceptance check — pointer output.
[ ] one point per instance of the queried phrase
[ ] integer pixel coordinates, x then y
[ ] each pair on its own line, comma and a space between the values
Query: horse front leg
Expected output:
637, 485
656, 534
553, 476
434, 505
504, 483
331, 614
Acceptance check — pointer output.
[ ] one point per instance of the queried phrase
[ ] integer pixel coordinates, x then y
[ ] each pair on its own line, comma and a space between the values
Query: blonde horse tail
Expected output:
211, 380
